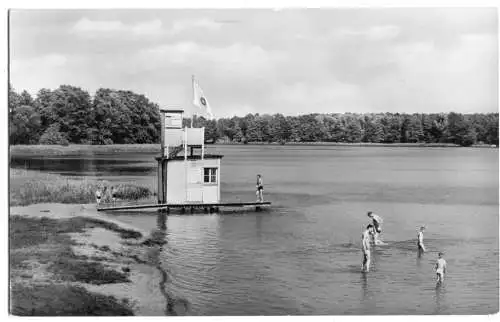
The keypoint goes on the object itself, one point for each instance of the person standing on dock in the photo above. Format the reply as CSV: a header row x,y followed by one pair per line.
x,y
365,247
260,189
98,196
377,225
113,195
105,192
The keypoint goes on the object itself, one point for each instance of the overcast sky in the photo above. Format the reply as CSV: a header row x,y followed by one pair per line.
x,y
247,61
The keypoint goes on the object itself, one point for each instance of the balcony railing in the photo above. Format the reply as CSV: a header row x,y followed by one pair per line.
x,y
188,136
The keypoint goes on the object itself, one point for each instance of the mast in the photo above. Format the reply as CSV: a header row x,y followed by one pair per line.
x,y
192,115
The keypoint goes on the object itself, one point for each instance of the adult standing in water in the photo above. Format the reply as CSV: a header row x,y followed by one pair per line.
x,y
377,225
365,247
260,189
420,241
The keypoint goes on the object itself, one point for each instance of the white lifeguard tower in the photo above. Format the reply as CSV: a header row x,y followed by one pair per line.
x,y
190,177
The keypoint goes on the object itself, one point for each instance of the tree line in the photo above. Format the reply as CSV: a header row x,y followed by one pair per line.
x,y
70,114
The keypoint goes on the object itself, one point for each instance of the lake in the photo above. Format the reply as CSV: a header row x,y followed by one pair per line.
x,y
303,255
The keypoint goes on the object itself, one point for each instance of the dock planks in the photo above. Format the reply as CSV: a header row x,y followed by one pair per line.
x,y
189,205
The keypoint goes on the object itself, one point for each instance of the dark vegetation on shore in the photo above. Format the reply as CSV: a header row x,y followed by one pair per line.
x,y
62,300
70,115
45,242
29,187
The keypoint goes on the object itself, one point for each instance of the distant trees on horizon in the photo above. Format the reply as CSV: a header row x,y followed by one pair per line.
x,y
69,114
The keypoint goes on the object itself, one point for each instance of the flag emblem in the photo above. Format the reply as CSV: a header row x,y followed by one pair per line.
x,y
200,101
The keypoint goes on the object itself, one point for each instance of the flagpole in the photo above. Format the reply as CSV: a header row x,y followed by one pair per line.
x,y
192,115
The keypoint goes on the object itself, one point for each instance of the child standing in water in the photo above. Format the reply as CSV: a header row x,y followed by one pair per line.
x,y
420,240
260,189
440,268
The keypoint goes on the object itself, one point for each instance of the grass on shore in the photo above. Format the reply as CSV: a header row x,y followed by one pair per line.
x,y
30,187
81,149
62,300
77,149
45,242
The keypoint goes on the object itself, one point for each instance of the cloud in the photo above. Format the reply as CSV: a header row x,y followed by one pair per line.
x,y
103,28
147,28
188,24
373,33
325,97
28,71
236,59
86,25
153,27
431,78
382,32
404,60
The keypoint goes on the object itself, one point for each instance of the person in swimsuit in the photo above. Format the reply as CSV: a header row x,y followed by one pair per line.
x,y
260,189
420,241
365,247
440,268
113,194
377,225
98,197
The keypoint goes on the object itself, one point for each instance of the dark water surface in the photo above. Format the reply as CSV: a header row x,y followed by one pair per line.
x,y
303,256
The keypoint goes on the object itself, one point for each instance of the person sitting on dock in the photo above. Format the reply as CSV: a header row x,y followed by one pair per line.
x,y
260,189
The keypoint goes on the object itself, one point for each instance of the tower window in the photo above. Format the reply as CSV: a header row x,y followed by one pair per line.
x,y
210,175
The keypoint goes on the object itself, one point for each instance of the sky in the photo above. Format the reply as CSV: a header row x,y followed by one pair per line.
x,y
289,61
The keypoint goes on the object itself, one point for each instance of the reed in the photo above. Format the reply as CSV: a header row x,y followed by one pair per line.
x,y
30,187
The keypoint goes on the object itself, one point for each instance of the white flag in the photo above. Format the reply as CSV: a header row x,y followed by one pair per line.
x,y
200,100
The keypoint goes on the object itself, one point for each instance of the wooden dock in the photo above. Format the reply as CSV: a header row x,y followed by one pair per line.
x,y
184,206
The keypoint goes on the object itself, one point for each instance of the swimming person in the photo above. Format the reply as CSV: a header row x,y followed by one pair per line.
x,y
365,247
260,189
440,268
377,225
420,240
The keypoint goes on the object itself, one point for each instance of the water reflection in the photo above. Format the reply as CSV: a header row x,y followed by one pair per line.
x,y
364,286
258,226
439,298
156,242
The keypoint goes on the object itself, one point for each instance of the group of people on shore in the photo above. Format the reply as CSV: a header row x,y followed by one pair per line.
x,y
371,236
105,195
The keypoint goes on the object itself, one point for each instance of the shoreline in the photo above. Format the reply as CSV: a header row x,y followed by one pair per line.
x,y
128,253
80,149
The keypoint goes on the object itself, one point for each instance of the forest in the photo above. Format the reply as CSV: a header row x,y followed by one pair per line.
x,y
70,115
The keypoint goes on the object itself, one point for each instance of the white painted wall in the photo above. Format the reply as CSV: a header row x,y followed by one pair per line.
x,y
176,182
191,188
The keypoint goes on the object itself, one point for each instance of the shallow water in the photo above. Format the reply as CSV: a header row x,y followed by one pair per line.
x,y
302,256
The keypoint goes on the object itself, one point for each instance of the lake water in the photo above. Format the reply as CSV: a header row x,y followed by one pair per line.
x,y
303,255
